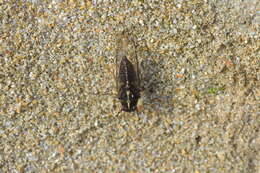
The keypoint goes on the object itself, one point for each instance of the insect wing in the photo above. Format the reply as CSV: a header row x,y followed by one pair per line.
x,y
127,73
126,48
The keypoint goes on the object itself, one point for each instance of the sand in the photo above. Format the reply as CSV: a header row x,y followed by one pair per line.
x,y
200,107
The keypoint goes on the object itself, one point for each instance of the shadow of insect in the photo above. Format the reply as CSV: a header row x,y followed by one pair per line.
x,y
153,83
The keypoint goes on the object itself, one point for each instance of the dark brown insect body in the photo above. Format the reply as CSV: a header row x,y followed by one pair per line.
x,y
127,75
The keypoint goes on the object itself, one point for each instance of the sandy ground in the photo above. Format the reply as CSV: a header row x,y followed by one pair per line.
x,y
199,112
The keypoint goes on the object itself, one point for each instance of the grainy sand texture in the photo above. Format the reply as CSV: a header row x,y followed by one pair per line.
x,y
200,68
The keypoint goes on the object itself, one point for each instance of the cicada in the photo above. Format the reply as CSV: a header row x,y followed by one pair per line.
x,y
127,73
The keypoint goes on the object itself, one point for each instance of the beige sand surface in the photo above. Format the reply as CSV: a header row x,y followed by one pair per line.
x,y
199,112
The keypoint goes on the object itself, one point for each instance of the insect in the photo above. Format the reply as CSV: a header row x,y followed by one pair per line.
x,y
127,73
